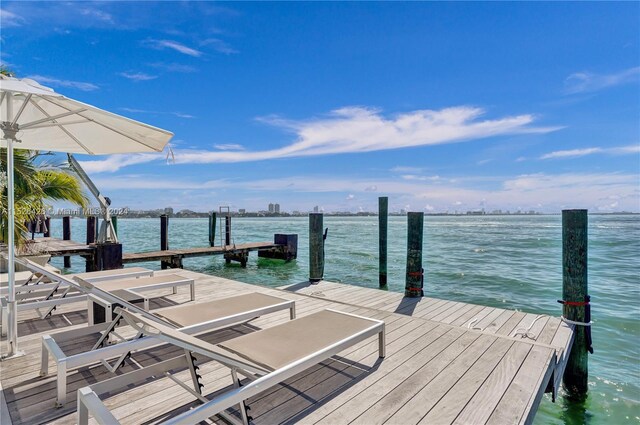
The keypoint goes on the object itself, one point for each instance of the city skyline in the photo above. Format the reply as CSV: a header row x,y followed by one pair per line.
x,y
439,106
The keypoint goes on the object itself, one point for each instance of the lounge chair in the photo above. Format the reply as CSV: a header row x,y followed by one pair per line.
x,y
25,279
266,357
189,319
64,290
28,281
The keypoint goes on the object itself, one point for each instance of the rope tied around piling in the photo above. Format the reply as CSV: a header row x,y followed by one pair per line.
x,y
573,322
587,315
575,303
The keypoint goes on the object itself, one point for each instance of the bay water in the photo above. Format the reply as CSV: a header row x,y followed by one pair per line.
x,y
512,262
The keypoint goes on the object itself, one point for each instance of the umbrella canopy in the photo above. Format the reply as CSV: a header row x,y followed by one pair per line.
x,y
35,117
46,120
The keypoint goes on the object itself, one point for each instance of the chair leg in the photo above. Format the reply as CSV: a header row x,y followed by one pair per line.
x,y
242,405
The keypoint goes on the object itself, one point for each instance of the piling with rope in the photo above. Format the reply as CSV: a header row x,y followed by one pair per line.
x,y
576,308
414,281
383,219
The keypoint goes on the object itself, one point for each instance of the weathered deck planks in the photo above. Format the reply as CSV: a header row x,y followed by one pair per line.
x,y
437,370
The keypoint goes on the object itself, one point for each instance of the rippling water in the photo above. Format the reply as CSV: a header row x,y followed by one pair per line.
x,y
512,262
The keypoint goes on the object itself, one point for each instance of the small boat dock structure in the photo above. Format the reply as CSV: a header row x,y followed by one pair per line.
x,y
447,362
284,247
239,252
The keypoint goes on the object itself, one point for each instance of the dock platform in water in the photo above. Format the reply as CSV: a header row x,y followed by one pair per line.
x,y
281,249
447,362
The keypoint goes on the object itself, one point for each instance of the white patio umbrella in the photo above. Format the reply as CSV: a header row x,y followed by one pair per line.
x,y
35,117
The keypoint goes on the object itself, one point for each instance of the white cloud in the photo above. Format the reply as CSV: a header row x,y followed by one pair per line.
x,y
114,163
420,178
581,82
403,169
173,67
624,150
574,153
97,14
171,44
358,129
138,76
219,46
350,197
146,111
229,147
84,86
542,192
10,19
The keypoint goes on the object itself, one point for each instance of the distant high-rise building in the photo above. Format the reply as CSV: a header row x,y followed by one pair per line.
x,y
168,211
315,209
276,208
271,208
242,211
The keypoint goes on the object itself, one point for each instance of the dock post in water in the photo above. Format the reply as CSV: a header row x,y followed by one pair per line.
x,y
575,298
110,255
164,237
92,262
316,248
227,229
92,229
114,221
66,235
383,218
212,229
415,273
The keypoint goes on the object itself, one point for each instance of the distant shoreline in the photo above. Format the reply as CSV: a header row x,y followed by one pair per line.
x,y
356,215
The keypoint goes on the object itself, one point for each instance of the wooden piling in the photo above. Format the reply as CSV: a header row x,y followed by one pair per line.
x,y
66,235
164,238
110,256
414,278
212,229
92,229
383,218
575,291
316,248
227,230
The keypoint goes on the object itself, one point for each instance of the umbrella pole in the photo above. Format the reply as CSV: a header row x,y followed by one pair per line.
x,y
12,318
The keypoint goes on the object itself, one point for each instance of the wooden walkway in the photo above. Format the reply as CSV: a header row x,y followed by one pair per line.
x,y
438,370
59,247
173,257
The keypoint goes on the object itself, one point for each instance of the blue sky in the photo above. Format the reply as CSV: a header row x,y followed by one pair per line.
x,y
440,106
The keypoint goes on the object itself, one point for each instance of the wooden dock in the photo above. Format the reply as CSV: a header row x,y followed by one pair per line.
x,y
282,248
237,252
447,362
59,247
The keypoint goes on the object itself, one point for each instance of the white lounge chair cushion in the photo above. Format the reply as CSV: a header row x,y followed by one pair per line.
x,y
105,273
276,347
200,312
140,282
